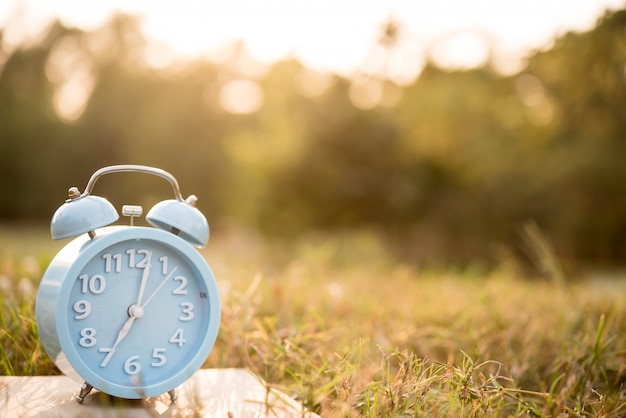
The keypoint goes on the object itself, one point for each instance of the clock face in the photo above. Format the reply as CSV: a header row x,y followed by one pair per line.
x,y
139,315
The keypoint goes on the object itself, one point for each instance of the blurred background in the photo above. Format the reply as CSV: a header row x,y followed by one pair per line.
x,y
454,132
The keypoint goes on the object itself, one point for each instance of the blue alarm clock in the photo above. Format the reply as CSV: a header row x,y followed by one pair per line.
x,y
132,311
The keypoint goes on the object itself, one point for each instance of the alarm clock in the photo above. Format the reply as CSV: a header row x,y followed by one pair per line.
x,y
132,311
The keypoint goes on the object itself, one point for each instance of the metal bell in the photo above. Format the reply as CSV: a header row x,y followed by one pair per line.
x,y
182,218
80,214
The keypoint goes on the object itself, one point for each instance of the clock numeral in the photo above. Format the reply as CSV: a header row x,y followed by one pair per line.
x,y
131,257
132,365
82,308
95,284
163,261
177,337
158,354
87,337
110,352
180,290
108,262
141,264
187,311
137,262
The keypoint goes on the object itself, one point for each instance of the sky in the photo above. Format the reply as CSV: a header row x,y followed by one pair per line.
x,y
329,35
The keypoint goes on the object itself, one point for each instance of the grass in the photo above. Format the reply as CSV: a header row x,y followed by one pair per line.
x,y
348,331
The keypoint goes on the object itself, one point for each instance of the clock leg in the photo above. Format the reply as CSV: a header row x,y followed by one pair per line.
x,y
173,395
84,391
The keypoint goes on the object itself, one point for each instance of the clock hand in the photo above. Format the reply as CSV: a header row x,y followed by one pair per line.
x,y
157,290
135,311
124,331
144,279
134,314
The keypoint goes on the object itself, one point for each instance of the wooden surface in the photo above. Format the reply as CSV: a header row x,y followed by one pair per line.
x,y
218,393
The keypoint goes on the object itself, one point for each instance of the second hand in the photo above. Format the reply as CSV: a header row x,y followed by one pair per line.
x,y
158,288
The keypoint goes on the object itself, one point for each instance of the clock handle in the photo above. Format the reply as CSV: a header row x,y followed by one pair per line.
x,y
124,168
85,212
179,216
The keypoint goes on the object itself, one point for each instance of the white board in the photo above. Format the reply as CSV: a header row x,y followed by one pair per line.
x,y
223,393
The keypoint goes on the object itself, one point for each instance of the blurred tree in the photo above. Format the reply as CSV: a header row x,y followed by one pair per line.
x,y
584,75
454,165
27,125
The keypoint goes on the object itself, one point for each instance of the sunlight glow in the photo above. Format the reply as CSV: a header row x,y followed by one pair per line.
x,y
325,35
539,108
71,72
401,61
159,55
241,96
461,51
312,84
367,93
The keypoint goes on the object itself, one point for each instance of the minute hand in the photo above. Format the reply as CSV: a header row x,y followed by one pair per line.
x,y
144,279
158,288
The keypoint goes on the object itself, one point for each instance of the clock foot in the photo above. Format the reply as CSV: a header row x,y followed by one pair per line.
x,y
84,391
173,395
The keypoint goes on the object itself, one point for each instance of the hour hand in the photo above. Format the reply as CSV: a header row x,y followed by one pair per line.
x,y
124,331
120,336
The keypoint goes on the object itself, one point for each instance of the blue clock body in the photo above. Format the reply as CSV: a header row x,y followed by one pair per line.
x,y
133,311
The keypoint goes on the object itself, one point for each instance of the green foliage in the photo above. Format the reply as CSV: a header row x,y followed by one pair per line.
x,y
451,172
377,338
20,350
530,331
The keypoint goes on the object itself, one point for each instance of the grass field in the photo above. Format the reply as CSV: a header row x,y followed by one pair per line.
x,y
348,331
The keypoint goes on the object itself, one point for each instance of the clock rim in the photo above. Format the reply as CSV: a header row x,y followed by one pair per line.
x,y
73,258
